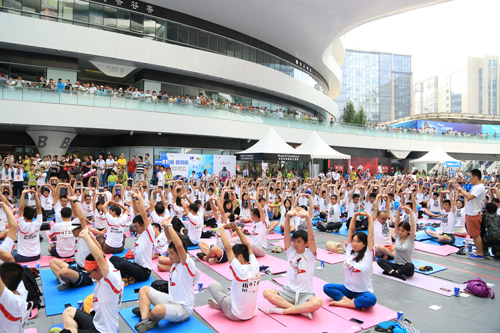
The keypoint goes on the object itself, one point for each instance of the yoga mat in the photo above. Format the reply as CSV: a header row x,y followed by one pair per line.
x,y
30,330
427,282
442,250
47,234
119,254
421,236
55,299
44,261
275,236
204,278
190,325
321,254
277,265
435,268
261,322
459,242
322,319
344,231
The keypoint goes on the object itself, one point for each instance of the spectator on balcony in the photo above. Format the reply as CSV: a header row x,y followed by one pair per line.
x,y
92,89
148,96
67,86
3,79
60,85
76,87
164,97
136,93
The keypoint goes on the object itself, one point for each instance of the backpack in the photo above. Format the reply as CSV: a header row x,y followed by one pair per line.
x,y
160,285
34,294
328,226
478,287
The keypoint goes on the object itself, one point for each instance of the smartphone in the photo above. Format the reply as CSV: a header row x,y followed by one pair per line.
x,y
357,321
63,191
118,191
93,182
100,197
130,182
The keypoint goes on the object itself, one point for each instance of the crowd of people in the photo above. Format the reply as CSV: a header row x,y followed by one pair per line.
x,y
426,131
93,213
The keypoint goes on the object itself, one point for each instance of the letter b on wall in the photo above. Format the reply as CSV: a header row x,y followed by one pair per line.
x,y
51,142
42,141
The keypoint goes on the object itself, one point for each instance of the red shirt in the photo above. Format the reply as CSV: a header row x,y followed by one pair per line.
x,y
131,165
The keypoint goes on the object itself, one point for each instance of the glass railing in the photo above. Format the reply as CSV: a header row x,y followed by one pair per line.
x,y
247,115
114,17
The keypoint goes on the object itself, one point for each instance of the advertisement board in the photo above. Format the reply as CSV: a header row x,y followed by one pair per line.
x,y
184,164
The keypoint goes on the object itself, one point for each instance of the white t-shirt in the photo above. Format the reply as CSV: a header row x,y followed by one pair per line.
x,y
65,241
157,218
107,299
259,234
6,174
87,209
244,212
8,245
161,244
57,210
460,218
28,239
195,227
99,219
447,222
12,308
333,213
473,206
181,283
111,162
18,175
3,218
143,248
179,211
434,206
358,275
352,208
369,207
116,228
244,288
81,252
47,202
218,238
381,233
300,270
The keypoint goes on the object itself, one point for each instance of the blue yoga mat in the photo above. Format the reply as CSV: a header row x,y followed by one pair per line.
x,y
435,268
190,325
459,242
421,236
55,299
121,254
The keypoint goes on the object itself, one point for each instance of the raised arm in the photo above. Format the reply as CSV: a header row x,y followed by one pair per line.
x,y
371,239
310,231
352,228
12,233
139,201
95,250
286,230
173,237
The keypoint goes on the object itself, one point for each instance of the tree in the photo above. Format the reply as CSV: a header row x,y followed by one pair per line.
x,y
360,118
351,116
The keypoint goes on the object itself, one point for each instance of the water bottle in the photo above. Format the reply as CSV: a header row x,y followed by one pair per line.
x,y
38,264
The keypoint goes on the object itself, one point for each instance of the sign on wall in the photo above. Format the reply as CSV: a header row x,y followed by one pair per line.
x,y
223,166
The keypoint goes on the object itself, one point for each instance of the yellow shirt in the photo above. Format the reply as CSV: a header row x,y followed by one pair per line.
x,y
121,163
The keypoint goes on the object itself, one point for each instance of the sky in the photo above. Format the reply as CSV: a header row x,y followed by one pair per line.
x,y
435,36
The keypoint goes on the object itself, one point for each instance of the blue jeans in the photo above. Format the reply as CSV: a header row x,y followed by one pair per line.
x,y
131,175
20,258
362,300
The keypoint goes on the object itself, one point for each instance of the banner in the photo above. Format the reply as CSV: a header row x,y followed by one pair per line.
x,y
224,166
184,164
198,163
453,164
491,130
178,163
441,126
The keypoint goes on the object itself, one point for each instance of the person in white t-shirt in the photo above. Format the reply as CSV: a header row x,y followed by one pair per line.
x,y
177,305
447,235
3,216
140,269
116,219
108,294
64,246
192,234
13,306
28,236
460,218
8,243
241,302
357,292
47,201
160,176
333,213
297,296
382,234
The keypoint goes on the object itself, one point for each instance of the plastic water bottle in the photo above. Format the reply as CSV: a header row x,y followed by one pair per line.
x,y
38,264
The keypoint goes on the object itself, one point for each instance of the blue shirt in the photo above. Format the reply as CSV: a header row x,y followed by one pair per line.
x,y
60,86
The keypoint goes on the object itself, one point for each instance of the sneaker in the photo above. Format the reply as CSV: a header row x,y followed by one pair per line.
x,y
145,325
62,286
213,304
200,255
475,256
136,311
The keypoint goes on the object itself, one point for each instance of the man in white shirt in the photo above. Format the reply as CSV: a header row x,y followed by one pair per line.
x,y
64,247
381,231
107,294
8,243
241,303
47,201
297,296
177,305
101,168
12,304
473,208
28,237
110,163
116,218
140,269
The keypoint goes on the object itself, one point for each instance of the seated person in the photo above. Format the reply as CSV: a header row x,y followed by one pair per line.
x,y
241,302
297,296
28,242
116,219
381,232
460,218
357,292
192,234
3,216
447,235
107,294
8,243
177,305
64,246
12,304
491,232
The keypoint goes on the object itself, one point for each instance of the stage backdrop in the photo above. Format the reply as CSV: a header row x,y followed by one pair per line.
x,y
184,164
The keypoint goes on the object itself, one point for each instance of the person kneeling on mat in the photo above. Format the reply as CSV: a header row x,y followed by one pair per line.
x,y
402,267
357,292
107,294
73,276
177,305
140,269
241,303
447,235
297,296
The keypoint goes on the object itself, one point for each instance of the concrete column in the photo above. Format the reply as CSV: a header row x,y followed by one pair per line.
x,y
52,142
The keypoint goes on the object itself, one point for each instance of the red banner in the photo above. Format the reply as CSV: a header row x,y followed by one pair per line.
x,y
339,168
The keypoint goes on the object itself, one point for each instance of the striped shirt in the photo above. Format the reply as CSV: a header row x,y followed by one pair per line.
x,y
140,167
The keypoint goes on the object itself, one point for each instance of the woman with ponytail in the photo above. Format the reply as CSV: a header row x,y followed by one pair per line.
x,y
357,292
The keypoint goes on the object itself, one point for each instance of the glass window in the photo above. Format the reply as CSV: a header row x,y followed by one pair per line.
x,y
183,34
222,45
149,26
245,52
253,54
266,59
123,19
31,6
161,29
96,15
65,9
81,11
193,37
260,57
110,16
212,42
136,22
14,4
172,89
203,39
49,8
230,48
237,50
172,31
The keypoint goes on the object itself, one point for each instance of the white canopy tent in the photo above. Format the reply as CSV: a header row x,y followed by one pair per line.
x,y
318,149
272,148
438,155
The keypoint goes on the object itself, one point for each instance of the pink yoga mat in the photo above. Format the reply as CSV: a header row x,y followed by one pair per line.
x,y
442,250
322,254
204,278
322,319
277,265
427,282
44,262
47,234
370,317
261,322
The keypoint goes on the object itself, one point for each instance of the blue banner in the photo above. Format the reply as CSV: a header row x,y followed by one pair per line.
x,y
453,164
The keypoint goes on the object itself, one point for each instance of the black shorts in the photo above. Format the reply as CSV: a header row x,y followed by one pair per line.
x,y
222,259
83,277
85,321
